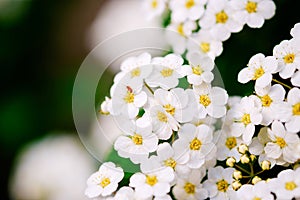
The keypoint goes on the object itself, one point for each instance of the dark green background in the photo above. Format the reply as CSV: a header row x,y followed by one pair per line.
x,y
42,44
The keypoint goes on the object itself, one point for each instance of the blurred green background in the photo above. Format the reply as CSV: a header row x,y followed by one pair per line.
x,y
42,44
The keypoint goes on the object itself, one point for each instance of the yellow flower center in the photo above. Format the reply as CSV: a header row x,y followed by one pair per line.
x,y
204,100
170,163
154,4
280,142
251,7
129,97
135,72
151,180
105,182
258,73
289,58
197,70
296,109
180,29
166,72
266,100
256,198
189,3
137,139
246,119
231,142
205,47
222,185
189,188
221,17
195,144
162,117
290,185
169,109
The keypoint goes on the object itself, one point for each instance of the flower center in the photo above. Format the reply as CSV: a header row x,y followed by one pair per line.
x,y
180,29
290,185
189,3
222,185
170,163
205,47
256,198
246,119
296,109
204,100
154,4
280,142
166,72
105,182
135,72
151,180
195,144
266,100
251,7
197,70
231,142
137,139
189,188
221,17
289,58
258,73
162,117
169,109
129,97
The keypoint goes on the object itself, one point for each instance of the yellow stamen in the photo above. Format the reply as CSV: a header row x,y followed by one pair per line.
x,y
204,100
154,4
231,142
195,144
169,109
290,185
251,7
258,73
289,58
222,185
151,180
246,119
221,17
170,163
105,182
189,3
197,70
166,72
266,100
189,188
296,109
162,117
135,72
280,142
129,98
137,139
205,47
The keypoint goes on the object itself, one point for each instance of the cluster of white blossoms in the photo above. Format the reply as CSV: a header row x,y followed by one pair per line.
x,y
202,25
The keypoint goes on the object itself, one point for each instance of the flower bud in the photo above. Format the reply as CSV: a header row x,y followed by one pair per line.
x,y
256,179
265,165
237,175
236,185
252,157
245,159
243,148
230,161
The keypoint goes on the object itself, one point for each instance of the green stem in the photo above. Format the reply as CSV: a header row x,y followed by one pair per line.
x,y
251,168
149,88
281,83
242,169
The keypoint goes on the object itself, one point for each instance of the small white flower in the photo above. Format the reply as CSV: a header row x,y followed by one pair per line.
x,y
257,144
186,9
105,181
154,7
288,56
233,100
155,183
199,69
205,43
218,18
295,32
210,101
295,79
287,185
253,12
106,106
282,143
260,69
166,72
258,191
219,182
198,142
244,116
124,193
190,187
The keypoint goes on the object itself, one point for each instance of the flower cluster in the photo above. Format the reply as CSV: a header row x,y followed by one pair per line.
x,y
203,25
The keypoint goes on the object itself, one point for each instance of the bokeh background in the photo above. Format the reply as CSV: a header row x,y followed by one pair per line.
x,y
43,43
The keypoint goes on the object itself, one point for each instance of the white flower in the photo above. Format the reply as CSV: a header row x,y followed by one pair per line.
x,y
257,144
244,117
288,56
219,182
260,69
287,185
177,102
295,32
127,98
124,193
137,143
154,7
258,191
269,97
155,183
295,79
198,142
253,12
210,100
106,106
199,69
232,100
166,72
218,17
186,9
283,143
105,181
190,187
205,43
